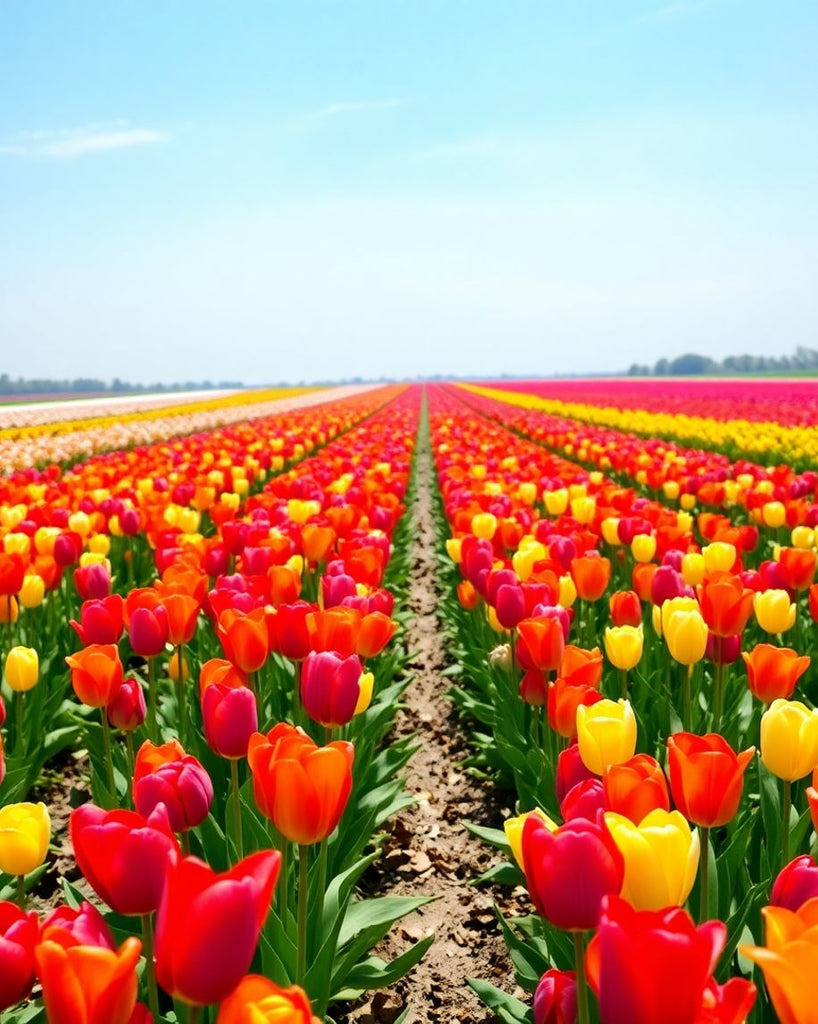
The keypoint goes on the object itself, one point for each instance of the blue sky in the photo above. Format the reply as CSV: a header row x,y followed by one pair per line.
x,y
292,191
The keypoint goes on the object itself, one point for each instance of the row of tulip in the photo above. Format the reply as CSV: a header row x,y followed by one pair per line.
x,y
773,440
234,699
777,498
66,439
658,784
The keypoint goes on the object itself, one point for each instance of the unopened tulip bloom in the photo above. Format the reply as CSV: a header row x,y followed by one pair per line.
x,y
78,926
570,871
148,631
643,547
774,610
581,666
686,636
652,967
301,787
789,739
544,641
167,775
330,687
375,633
555,1000
591,576
798,564
623,645
22,669
625,608
257,1000
203,964
88,984
772,672
126,710
719,556
96,674
32,592
230,718
636,787
563,700
245,638
101,621
789,961
706,777
726,605
19,934
123,856
796,883
661,857
606,733
585,800
25,832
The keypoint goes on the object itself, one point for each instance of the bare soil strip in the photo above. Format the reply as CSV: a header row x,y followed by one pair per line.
x,y
428,851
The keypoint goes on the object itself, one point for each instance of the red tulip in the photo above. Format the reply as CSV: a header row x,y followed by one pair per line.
x,y
555,1001
167,775
208,925
19,934
123,856
330,687
81,926
796,883
706,777
544,641
101,622
126,709
230,717
625,608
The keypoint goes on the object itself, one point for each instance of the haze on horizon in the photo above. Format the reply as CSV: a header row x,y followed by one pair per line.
x,y
277,191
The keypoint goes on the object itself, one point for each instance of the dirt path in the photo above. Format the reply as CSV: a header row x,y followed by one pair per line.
x,y
428,851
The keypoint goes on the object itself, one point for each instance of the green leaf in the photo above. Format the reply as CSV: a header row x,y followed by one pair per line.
x,y
507,1007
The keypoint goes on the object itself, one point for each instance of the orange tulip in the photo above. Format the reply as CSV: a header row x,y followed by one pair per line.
x,y
706,777
772,672
579,665
334,629
625,608
544,641
375,633
636,787
789,961
798,567
591,576
726,605
183,612
219,670
301,787
245,638
317,542
96,674
467,595
88,984
285,585
563,700
257,1000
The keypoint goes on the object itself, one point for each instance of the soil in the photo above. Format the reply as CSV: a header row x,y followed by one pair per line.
x,y
428,850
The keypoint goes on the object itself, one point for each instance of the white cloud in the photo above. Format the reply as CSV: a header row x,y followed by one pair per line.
x,y
353,107
73,142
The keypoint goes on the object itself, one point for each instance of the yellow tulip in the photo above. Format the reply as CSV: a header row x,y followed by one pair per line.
x,y
22,669
513,828
775,613
677,604
100,544
568,591
610,530
366,684
693,568
453,546
773,514
661,857
527,492
623,645
484,525
17,544
606,732
789,961
643,547
719,556
556,502
25,832
32,593
671,489
686,636
803,537
583,509
789,739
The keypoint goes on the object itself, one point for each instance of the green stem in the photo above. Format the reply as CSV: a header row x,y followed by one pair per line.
x,y
18,722
297,693
131,753
301,961
109,759
152,695
583,1016
623,683
283,886
236,804
786,805
719,690
704,868
21,892
150,967
194,1014
687,704
180,697
184,842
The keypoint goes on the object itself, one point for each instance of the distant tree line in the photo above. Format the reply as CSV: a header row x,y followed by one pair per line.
x,y
693,365
90,385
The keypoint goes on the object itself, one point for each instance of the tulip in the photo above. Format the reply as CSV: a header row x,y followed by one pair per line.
x,y
335,629
661,856
726,605
22,669
167,775
555,999
772,672
563,700
88,984
789,961
789,739
230,718
245,638
257,1000
636,787
204,964
652,967
544,641
625,608
568,872
581,666
181,614
301,787
330,688
25,832
19,934
706,777
513,828
591,577
643,547
774,611
126,710
96,674
93,582
685,633
510,605
148,630
123,856
623,645
484,525
585,800
719,556
32,592
80,926
376,631
796,883
606,733
798,566
101,621
570,770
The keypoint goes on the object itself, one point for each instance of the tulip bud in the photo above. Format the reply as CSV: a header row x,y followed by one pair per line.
x,y
789,739
513,828
796,883
643,547
22,669
774,611
257,1000
606,733
230,718
623,646
127,709
25,832
625,608
330,687
686,636
32,592
19,934
555,1000
166,775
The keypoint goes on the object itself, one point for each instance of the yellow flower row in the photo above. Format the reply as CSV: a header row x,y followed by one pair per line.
x,y
765,441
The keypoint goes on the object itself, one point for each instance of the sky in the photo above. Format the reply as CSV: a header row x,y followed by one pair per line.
x,y
267,191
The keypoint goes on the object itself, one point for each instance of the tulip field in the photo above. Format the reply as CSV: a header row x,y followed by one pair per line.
x,y
248,747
